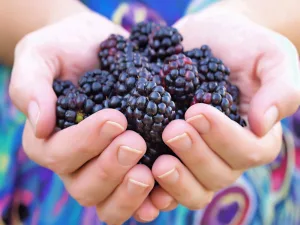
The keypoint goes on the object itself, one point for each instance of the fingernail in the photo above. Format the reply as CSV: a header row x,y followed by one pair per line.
x,y
148,219
135,187
33,114
111,129
128,156
181,142
200,123
271,116
170,177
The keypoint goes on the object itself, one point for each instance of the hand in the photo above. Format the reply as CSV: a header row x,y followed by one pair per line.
x,y
112,181
213,149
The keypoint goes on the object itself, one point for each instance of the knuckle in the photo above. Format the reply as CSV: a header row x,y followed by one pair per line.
x,y
56,164
105,218
79,194
200,202
224,182
251,159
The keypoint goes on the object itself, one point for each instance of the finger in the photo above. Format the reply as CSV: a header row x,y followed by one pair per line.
x,y
44,54
147,212
202,162
128,196
95,181
176,179
31,90
237,146
279,95
162,200
69,149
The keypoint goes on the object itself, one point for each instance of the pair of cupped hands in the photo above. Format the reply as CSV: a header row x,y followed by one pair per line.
x,y
97,159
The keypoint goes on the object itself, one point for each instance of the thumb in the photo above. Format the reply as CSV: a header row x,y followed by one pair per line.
x,y
279,94
31,90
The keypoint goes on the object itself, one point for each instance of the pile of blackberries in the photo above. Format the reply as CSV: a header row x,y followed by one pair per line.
x,y
152,81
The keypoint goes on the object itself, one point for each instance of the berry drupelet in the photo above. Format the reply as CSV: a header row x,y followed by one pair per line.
x,y
72,108
198,54
164,42
216,95
154,150
140,33
212,69
150,109
113,46
97,85
180,78
62,87
127,60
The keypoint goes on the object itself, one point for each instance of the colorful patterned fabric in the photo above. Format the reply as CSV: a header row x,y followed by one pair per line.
x,y
33,195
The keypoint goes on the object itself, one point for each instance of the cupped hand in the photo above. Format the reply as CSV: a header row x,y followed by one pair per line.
x,y
112,181
213,149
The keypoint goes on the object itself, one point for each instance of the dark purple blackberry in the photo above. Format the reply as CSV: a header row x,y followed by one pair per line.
x,y
72,108
180,78
140,33
198,54
127,80
117,102
62,87
164,42
150,109
216,95
212,69
154,150
128,60
156,71
97,85
113,46
234,91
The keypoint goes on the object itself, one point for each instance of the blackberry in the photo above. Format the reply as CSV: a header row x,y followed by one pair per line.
x,y
62,87
234,91
97,85
117,102
128,60
156,73
212,69
150,109
113,46
181,78
216,95
72,108
140,33
198,54
164,42
154,150
128,79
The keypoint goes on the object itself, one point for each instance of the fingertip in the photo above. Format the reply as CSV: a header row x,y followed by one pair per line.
x,y
111,115
141,174
174,128
147,212
162,200
164,164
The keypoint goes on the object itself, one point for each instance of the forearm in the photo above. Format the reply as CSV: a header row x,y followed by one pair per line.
x,y
18,18
282,16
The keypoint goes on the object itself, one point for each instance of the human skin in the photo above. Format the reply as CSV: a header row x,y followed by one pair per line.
x,y
206,153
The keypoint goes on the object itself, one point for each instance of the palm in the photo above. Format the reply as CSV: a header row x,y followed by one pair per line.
x,y
240,44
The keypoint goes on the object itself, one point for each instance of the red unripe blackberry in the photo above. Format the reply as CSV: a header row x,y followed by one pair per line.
x,y
180,78
149,109
97,85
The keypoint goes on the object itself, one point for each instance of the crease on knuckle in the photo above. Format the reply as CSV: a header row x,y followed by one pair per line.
x,y
107,218
55,163
252,159
105,175
200,202
224,182
80,195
